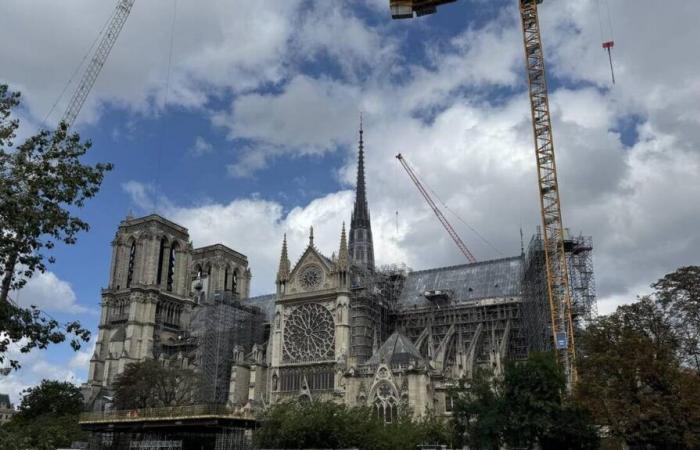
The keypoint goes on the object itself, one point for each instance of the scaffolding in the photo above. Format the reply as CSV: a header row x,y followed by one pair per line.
x,y
374,297
477,329
219,325
536,317
201,437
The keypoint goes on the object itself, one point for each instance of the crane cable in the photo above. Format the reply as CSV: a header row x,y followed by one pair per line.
x,y
165,100
608,43
444,205
79,66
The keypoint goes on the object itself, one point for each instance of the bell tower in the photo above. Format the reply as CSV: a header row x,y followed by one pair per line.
x,y
147,299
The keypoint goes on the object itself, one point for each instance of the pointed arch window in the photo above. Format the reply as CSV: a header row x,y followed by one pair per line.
x,y
171,266
226,277
132,262
161,255
234,281
385,404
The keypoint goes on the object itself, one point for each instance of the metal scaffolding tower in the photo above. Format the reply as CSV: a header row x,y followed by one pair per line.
x,y
536,320
218,326
374,296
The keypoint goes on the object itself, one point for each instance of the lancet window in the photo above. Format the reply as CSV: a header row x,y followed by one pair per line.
x,y
132,262
171,266
385,403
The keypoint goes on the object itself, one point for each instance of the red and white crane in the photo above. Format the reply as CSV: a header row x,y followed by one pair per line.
x,y
441,217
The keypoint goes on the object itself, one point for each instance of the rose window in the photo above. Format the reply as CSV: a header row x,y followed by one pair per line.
x,y
309,334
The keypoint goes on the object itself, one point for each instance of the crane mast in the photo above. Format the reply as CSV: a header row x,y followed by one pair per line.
x,y
88,79
553,236
441,217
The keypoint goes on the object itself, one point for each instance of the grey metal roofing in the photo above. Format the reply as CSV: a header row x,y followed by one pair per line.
x,y
486,279
265,302
396,350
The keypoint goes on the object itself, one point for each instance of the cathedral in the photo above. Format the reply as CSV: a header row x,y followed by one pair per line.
x,y
336,327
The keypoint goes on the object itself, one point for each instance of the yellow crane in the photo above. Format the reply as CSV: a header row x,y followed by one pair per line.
x,y
550,204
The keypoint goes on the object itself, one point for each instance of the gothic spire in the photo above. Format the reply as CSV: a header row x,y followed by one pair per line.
x,y
360,214
361,249
343,257
285,264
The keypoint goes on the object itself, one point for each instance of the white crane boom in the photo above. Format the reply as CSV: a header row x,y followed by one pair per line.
x,y
88,79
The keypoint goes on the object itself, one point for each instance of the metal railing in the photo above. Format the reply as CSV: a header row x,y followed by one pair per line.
x,y
165,413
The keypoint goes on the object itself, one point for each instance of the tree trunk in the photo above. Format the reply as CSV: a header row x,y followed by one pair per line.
x,y
7,278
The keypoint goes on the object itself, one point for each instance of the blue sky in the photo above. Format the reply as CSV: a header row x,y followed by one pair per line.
x,y
255,133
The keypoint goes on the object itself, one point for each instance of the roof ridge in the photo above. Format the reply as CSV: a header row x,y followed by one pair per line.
x,y
460,266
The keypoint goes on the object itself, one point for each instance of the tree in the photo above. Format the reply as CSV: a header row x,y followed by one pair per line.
x,y
527,408
50,397
149,384
678,293
326,424
477,411
42,182
632,381
47,418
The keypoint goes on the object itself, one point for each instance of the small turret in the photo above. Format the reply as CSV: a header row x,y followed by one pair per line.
x,y
343,255
285,264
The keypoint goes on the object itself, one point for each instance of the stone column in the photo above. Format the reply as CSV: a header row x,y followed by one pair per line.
x,y
277,327
342,326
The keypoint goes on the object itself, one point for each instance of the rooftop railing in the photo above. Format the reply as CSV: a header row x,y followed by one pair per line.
x,y
166,413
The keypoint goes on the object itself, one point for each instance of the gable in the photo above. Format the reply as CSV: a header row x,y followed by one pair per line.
x,y
312,272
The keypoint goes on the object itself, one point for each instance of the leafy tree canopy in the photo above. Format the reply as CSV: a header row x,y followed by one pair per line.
x,y
527,408
47,418
678,293
43,181
149,384
56,398
632,380
296,425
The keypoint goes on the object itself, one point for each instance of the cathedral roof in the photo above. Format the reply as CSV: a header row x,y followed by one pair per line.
x,y
469,282
396,350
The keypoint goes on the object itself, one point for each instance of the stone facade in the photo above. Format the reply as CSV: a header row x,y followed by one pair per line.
x,y
337,328
156,278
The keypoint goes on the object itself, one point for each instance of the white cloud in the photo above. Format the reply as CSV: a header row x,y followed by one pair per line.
x,y
638,200
461,118
201,147
36,368
217,46
49,293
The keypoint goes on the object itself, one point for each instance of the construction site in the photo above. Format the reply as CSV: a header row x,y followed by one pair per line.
x,y
416,333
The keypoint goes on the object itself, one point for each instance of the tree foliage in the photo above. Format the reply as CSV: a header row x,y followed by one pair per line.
x,y
43,181
632,380
50,397
527,408
149,384
296,425
678,293
47,418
